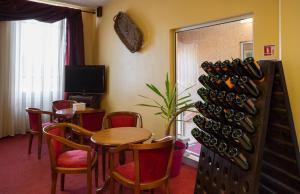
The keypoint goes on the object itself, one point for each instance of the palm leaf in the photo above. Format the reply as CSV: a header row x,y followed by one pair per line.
x,y
149,105
167,84
155,90
151,99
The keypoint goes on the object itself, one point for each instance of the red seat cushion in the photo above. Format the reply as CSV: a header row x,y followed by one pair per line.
x,y
72,159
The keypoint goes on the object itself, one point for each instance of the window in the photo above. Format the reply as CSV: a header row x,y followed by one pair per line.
x,y
208,42
39,60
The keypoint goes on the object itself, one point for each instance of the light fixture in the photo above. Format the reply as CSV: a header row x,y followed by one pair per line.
x,y
246,21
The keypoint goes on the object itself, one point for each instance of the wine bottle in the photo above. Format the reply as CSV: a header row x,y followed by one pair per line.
x,y
253,68
222,148
213,96
204,80
211,109
230,98
216,127
221,96
206,138
238,67
242,139
207,67
218,113
208,125
229,115
231,83
202,108
227,68
215,82
238,158
246,104
195,132
243,120
213,143
226,131
199,121
248,86
217,67
204,94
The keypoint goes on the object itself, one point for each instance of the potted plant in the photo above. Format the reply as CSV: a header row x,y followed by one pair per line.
x,y
170,105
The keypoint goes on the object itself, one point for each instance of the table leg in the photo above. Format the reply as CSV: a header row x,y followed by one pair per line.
x,y
122,157
103,161
105,186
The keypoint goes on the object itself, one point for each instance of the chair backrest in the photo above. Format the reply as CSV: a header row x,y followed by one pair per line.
x,y
62,104
123,119
91,119
57,143
154,160
35,118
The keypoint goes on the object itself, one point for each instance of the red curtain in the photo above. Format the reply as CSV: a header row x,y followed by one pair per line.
x,y
11,10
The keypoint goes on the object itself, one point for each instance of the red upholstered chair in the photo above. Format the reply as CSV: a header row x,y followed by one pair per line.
x,y
68,157
91,120
36,126
119,119
150,168
61,104
123,119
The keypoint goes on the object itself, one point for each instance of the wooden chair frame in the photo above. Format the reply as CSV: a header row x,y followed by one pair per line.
x,y
139,120
106,124
38,133
54,109
136,184
92,156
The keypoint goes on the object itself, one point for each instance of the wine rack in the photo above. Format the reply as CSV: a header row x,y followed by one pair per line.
x,y
274,161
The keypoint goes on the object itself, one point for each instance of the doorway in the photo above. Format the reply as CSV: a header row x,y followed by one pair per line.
x,y
215,41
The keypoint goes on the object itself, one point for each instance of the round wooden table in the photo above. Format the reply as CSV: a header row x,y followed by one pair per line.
x,y
119,136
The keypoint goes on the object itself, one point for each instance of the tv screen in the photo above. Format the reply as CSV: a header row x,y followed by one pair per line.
x,y
88,79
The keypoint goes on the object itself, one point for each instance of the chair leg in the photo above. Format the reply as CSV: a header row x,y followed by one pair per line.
x,y
89,181
137,190
62,182
96,172
103,161
112,186
30,143
40,139
53,183
167,187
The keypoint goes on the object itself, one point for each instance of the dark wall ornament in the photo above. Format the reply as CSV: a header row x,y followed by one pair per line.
x,y
128,32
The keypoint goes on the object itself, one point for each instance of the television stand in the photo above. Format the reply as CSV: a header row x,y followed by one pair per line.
x,y
91,100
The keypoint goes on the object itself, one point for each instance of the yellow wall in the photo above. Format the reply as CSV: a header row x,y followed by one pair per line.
x,y
128,72
290,54
89,31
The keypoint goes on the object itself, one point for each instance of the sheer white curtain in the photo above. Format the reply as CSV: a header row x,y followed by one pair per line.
x,y
32,70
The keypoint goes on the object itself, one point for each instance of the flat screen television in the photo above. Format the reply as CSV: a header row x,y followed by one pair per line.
x,y
88,79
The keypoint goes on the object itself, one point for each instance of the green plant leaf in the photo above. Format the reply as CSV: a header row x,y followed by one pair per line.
x,y
167,84
184,103
184,97
151,99
186,89
149,105
155,90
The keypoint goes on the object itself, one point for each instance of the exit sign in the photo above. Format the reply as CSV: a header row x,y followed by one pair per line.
x,y
269,50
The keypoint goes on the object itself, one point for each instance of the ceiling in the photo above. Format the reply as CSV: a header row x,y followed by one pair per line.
x,y
84,3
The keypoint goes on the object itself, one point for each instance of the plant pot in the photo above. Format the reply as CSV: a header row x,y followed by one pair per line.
x,y
180,148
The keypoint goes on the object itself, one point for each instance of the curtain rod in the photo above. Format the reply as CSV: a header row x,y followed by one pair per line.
x,y
56,3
